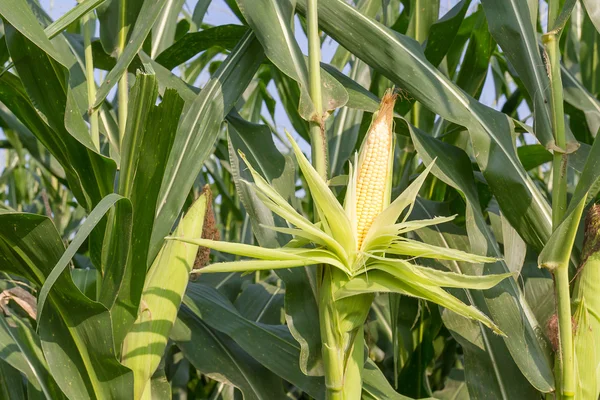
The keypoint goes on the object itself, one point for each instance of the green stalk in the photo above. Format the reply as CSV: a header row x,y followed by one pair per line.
x,y
318,141
333,354
333,351
88,26
123,87
559,205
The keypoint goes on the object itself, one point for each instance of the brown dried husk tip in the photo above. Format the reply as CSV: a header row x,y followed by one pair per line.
x,y
386,108
209,231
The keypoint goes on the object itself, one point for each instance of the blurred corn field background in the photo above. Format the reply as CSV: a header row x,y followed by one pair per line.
x,y
136,135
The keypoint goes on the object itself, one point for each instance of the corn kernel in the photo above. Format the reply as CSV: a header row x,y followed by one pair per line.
x,y
373,172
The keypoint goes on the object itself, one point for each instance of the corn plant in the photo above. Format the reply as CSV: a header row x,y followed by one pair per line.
x,y
191,208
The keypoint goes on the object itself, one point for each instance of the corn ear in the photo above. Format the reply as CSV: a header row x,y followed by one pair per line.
x,y
374,169
163,291
587,312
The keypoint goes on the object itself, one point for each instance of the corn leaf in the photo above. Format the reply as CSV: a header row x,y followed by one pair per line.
x,y
510,25
271,22
148,140
75,332
511,313
270,345
29,359
198,130
148,15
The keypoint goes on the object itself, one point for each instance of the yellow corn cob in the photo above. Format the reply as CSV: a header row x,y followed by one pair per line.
x,y
372,185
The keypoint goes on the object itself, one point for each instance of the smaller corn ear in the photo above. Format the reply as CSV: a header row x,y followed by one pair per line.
x,y
587,313
374,169
165,285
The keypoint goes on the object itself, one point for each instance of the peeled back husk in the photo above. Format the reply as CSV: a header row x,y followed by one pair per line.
x,y
164,288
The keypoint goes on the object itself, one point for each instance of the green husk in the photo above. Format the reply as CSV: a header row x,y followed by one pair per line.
x,y
165,285
587,312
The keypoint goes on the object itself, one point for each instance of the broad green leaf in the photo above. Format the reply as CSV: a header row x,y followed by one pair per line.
x,y
225,36
22,351
533,155
71,147
91,174
589,46
401,59
593,10
198,130
261,302
84,231
475,64
455,53
443,31
75,332
271,20
510,24
86,281
200,11
145,20
490,372
358,97
110,15
220,358
347,122
35,148
515,249
505,301
163,32
71,16
489,367
455,387
376,386
270,345
423,15
11,383
369,8
148,140
19,14
579,97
